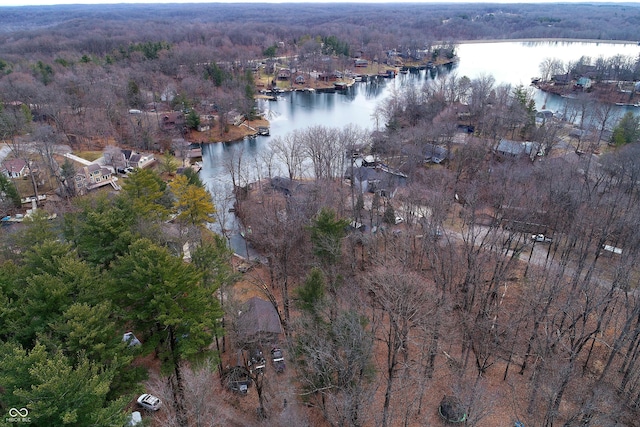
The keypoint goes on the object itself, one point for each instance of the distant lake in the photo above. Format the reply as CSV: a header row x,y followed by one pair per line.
x,y
509,62
518,62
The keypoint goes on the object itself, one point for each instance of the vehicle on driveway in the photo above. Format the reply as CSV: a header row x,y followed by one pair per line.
x,y
541,238
277,359
149,402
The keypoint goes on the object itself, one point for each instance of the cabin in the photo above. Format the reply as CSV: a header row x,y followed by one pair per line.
x,y
507,149
284,74
258,322
300,80
327,77
359,62
561,79
284,185
436,154
172,120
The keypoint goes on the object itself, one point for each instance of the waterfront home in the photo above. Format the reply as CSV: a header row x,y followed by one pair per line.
x,y
361,62
284,185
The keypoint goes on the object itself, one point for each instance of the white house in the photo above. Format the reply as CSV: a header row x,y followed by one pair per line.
x,y
14,168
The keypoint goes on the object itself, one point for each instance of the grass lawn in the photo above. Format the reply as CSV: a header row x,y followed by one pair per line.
x,y
89,155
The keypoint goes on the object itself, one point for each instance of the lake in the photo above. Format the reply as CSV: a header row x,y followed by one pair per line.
x,y
509,62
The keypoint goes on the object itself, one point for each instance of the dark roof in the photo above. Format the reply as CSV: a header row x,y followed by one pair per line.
x,y
514,148
259,317
285,185
93,167
435,153
385,176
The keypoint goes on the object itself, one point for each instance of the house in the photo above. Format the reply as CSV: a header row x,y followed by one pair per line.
x,y
235,118
94,176
258,322
284,74
172,120
435,154
584,83
285,186
542,116
327,77
381,180
140,160
561,79
14,168
517,149
361,62
300,80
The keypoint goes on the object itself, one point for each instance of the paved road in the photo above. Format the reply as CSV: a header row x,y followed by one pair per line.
x,y
4,152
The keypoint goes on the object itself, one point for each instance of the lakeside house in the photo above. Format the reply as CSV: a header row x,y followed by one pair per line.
x,y
381,179
285,186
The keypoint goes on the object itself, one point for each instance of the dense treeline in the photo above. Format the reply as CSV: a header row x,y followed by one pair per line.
x,y
71,287
100,29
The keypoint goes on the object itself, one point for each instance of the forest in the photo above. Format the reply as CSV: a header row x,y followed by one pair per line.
x,y
480,267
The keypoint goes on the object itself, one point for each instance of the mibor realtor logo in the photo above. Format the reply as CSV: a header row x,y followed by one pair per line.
x,y
18,416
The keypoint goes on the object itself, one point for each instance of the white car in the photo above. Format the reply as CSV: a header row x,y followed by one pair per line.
x,y
149,402
541,238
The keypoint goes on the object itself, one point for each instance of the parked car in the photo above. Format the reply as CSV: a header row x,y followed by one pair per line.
x,y
149,402
131,339
277,358
541,238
